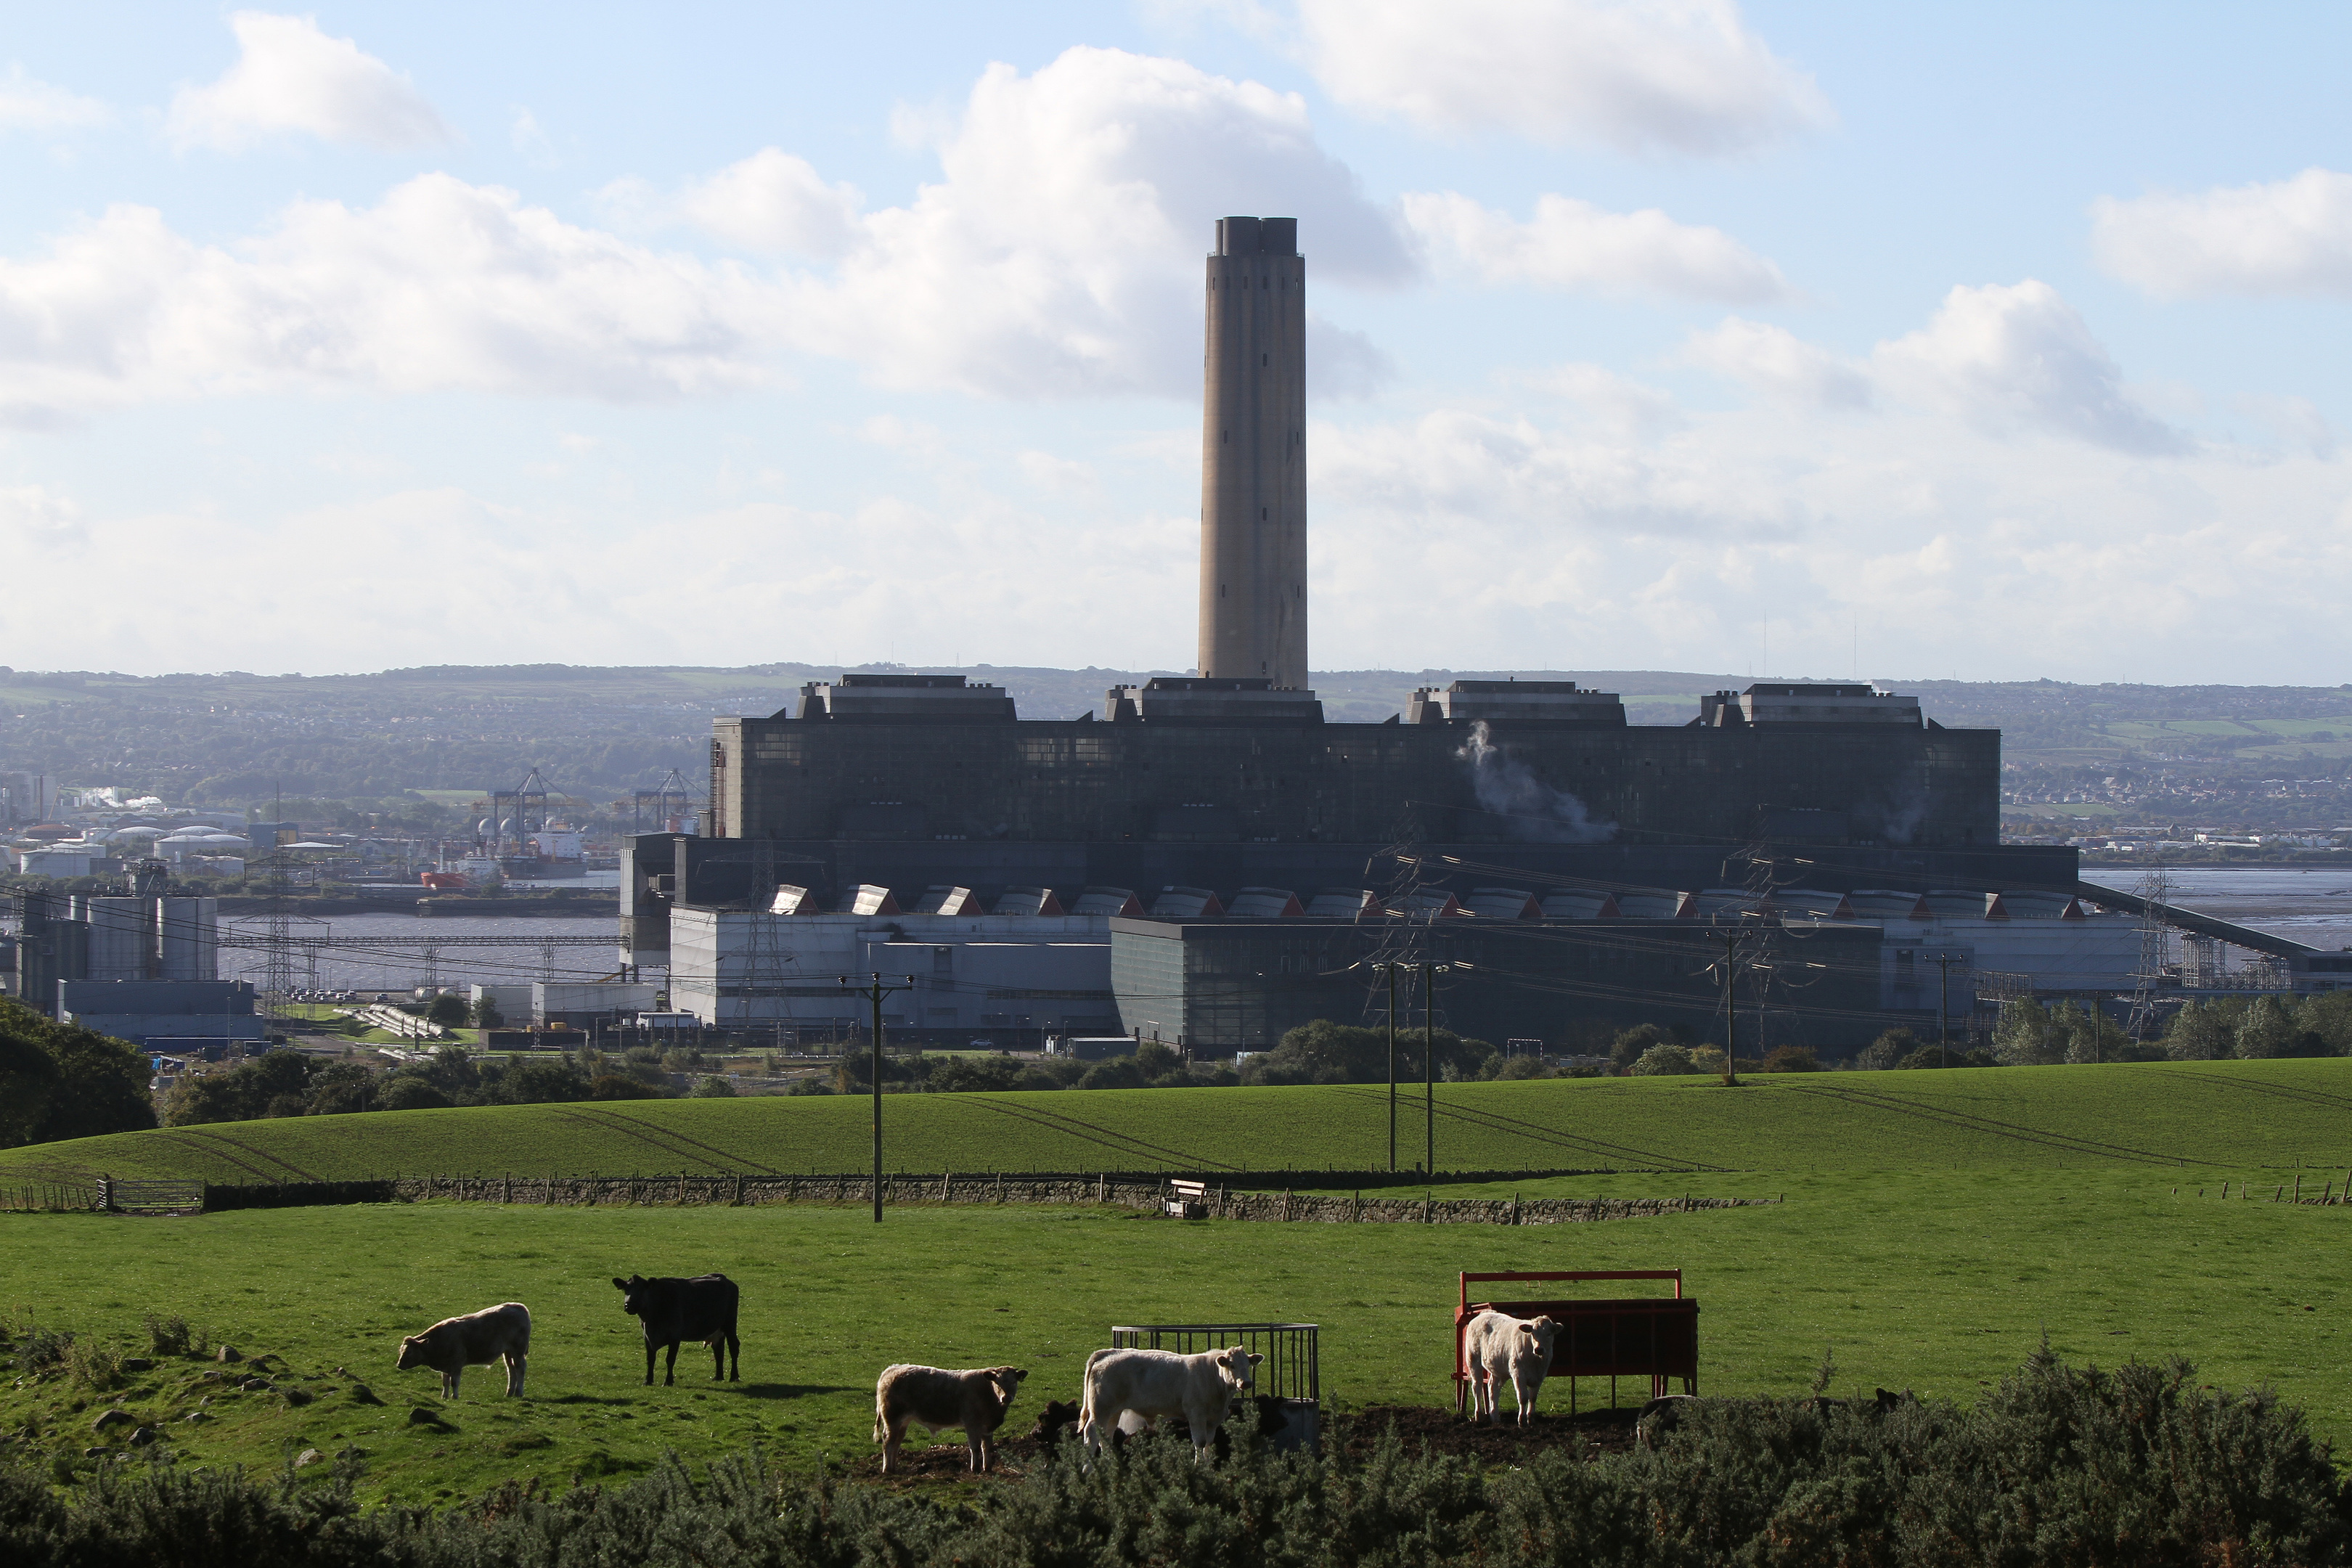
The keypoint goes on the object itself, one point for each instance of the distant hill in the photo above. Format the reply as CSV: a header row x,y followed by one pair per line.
x,y
237,738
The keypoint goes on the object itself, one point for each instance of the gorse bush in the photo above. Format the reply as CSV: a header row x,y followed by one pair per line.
x,y
2136,1469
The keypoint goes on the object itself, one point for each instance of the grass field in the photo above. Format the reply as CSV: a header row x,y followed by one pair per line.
x,y
1935,1281
2152,1116
1935,1226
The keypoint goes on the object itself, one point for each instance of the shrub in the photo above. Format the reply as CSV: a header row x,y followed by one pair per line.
x,y
446,1010
406,1091
1113,1072
1888,1050
1664,1059
176,1336
613,1086
808,1086
92,1364
1791,1058
713,1088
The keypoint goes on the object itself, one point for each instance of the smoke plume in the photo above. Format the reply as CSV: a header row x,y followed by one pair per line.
x,y
1529,809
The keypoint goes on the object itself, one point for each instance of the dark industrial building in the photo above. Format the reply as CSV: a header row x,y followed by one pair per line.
x,y
1244,859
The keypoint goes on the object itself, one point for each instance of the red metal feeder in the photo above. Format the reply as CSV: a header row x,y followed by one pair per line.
x,y
1653,1337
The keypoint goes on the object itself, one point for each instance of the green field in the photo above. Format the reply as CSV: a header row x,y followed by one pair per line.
x,y
1935,1226
2163,1115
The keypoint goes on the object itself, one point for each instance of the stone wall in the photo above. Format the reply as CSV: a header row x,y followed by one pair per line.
x,y
1147,1194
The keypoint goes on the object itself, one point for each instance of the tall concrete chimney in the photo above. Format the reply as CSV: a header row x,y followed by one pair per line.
x,y
1254,455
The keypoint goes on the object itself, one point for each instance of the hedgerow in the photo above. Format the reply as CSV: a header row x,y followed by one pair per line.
x,y
2141,1468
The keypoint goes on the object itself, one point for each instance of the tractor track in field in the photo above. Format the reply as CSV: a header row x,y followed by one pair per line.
x,y
661,1138
1494,1121
2319,1097
1070,1126
203,1142
631,1124
1970,1121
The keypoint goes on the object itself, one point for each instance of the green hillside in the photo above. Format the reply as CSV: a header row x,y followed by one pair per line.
x,y
2158,1115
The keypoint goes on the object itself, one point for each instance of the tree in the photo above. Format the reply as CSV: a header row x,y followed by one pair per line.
x,y
486,1013
2203,1031
613,1086
1791,1058
965,1075
94,1083
1661,1060
1888,1050
2267,1030
2026,1036
411,1091
1159,1064
446,1010
713,1088
1113,1072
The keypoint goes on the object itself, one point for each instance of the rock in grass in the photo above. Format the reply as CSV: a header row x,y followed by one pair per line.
x,y
421,1416
137,1363
228,1352
93,1453
294,1396
362,1395
307,1457
110,1416
144,1436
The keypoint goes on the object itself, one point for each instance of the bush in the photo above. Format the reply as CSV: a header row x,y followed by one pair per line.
x,y
1663,1060
448,1011
808,1086
1888,1050
1113,1072
712,1088
1791,1058
176,1336
2139,1467
615,1085
407,1091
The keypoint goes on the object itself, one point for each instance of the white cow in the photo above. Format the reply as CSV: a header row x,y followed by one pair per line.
x,y
1500,1347
1155,1384
453,1344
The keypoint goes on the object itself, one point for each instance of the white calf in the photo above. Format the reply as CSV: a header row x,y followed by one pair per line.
x,y
1157,1384
1500,1347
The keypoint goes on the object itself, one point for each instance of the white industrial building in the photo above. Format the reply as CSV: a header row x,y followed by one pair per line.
x,y
972,972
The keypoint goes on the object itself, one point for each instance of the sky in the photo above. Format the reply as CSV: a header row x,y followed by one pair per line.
x,y
1984,341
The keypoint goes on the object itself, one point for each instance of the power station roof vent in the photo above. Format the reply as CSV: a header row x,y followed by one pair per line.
x,y
1266,904
1213,699
1344,904
1186,904
790,900
1808,702
1118,902
947,902
903,698
1503,904
1028,901
866,898
1580,904
1515,701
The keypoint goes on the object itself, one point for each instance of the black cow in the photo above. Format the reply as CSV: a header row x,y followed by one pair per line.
x,y
676,1311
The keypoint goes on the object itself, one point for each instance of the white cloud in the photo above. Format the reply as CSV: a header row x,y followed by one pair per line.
x,y
291,77
1777,363
1627,407
440,284
26,104
531,138
2019,357
2011,358
1059,253
775,202
2290,237
1574,244
1644,76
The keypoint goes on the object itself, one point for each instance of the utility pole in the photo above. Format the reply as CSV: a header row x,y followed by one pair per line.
x,y
873,993
1390,970
1429,973
1944,962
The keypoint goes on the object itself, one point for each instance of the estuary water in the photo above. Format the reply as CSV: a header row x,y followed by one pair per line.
x,y
394,952
2310,905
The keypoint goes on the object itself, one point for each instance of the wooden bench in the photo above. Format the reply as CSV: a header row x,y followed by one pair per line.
x,y
1188,1200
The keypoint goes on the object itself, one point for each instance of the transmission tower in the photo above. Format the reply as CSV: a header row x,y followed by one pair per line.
x,y
2154,892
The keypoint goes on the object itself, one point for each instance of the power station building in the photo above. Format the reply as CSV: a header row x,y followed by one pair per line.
x,y
1206,857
